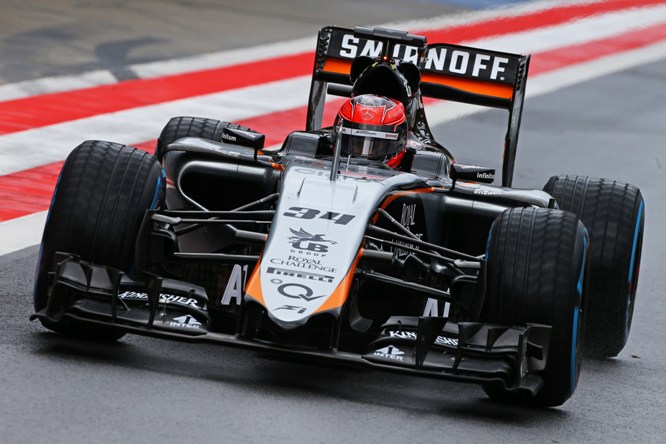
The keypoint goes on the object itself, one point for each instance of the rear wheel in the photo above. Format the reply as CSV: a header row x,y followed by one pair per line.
x,y
536,274
614,215
102,193
179,127
184,126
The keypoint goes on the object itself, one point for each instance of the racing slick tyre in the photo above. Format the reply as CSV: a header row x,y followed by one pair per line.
x,y
101,196
614,215
536,260
179,127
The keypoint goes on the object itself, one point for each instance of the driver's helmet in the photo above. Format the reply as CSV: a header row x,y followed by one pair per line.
x,y
371,126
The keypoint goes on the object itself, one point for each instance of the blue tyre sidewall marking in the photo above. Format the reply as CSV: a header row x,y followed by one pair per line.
x,y
632,264
575,327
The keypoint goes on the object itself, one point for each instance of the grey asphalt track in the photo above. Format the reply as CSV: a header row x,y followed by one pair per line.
x,y
57,390
40,38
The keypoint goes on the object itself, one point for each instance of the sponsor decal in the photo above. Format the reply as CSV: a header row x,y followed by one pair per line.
x,y
304,263
390,352
480,175
441,340
235,285
422,131
369,133
229,137
302,240
164,298
311,172
297,291
408,216
468,63
186,321
407,219
432,309
403,334
347,175
401,252
230,153
351,45
310,213
445,59
368,113
487,192
300,274
296,308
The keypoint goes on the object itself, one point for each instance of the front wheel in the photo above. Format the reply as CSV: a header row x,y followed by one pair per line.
x,y
99,202
536,261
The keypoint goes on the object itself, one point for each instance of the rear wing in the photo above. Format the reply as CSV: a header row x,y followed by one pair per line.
x,y
450,72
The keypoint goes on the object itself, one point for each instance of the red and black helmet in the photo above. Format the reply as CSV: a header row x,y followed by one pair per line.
x,y
372,126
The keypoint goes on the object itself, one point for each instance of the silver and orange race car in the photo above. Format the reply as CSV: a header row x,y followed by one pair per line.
x,y
311,249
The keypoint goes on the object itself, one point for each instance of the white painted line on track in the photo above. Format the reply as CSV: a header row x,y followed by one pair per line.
x,y
32,148
538,85
506,11
21,232
232,57
582,72
580,31
55,84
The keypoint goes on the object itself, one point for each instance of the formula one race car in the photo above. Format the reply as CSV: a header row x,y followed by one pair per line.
x,y
323,248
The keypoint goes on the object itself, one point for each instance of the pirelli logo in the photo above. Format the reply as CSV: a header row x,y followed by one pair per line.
x,y
441,58
300,274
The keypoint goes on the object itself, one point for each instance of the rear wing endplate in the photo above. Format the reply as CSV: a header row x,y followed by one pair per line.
x,y
450,72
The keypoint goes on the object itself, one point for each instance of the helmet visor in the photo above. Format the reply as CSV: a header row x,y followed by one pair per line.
x,y
367,143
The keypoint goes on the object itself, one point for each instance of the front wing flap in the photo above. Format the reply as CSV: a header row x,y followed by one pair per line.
x,y
427,346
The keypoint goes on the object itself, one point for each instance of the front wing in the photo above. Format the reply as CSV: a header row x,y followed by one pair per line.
x,y
431,347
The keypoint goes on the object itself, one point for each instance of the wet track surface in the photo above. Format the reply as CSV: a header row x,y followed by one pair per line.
x,y
54,389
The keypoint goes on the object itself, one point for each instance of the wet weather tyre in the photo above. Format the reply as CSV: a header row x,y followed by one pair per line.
x,y
185,126
99,202
614,214
536,261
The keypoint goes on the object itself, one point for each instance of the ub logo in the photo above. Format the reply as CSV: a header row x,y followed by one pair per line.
x,y
303,240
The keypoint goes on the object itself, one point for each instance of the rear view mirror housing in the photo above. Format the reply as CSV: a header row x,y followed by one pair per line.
x,y
474,173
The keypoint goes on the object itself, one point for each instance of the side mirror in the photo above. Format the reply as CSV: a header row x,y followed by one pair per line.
x,y
243,137
473,173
